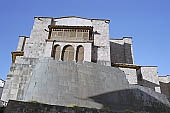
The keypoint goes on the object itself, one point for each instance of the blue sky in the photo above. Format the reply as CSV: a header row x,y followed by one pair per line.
x,y
147,21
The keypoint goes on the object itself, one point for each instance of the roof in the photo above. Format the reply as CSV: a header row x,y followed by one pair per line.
x,y
123,65
71,27
133,66
75,17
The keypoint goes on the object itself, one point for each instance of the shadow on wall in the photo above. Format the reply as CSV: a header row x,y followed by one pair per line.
x,y
121,53
1,89
165,89
132,99
148,84
94,54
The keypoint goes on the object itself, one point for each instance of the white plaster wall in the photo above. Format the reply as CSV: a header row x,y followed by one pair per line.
x,y
131,75
72,21
87,49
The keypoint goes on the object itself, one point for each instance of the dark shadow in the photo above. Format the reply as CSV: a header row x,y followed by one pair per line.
x,y
148,84
96,33
1,89
94,54
36,107
132,99
80,54
121,53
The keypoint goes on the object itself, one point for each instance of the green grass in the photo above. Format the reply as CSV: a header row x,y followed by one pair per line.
x,y
130,111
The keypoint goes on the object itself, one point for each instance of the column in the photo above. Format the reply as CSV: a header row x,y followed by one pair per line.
x,y
75,49
61,51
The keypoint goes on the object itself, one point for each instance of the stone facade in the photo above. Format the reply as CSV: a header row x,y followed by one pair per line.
x,y
70,60
165,84
2,83
121,50
149,77
31,107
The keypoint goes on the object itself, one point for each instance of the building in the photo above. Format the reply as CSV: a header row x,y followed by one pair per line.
x,y
165,85
2,82
72,60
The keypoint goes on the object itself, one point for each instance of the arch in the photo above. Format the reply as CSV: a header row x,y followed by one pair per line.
x,y
80,54
68,53
56,52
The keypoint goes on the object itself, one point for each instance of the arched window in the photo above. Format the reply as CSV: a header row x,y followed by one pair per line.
x,y
56,52
80,54
68,53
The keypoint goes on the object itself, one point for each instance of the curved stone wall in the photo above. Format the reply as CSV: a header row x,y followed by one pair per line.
x,y
69,83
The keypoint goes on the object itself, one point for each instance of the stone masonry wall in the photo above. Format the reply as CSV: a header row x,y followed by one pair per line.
x,y
121,50
18,79
136,98
1,88
21,43
29,107
67,83
131,75
117,52
35,46
149,77
165,85
101,40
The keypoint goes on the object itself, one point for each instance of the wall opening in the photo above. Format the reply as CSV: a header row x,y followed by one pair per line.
x,y
80,54
68,53
56,52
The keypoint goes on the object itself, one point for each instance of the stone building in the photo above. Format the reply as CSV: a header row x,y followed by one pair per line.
x,y
2,82
165,85
71,60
